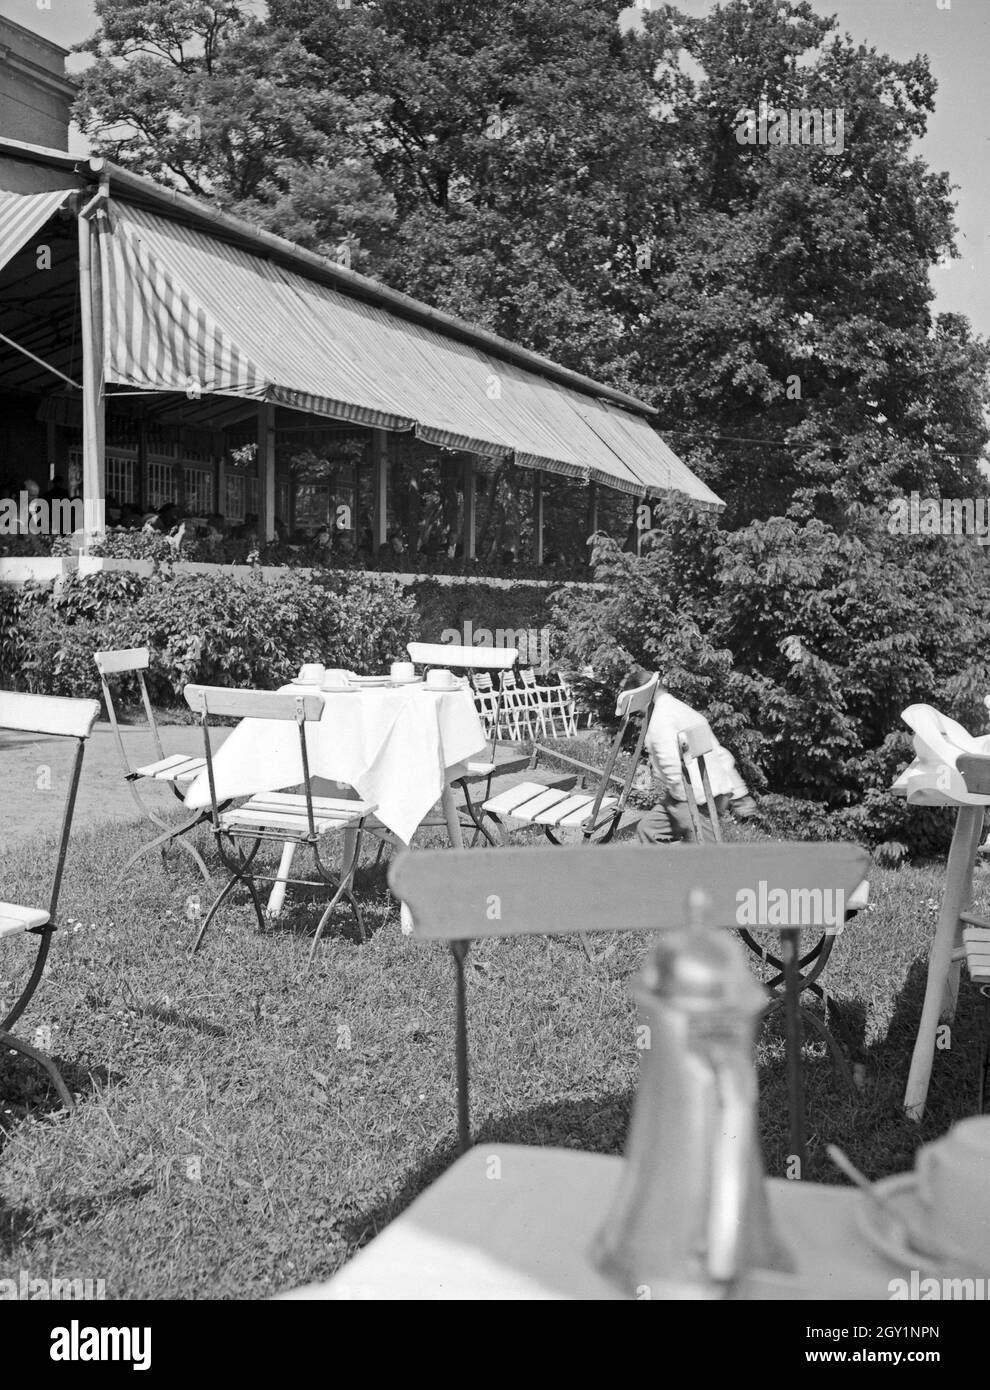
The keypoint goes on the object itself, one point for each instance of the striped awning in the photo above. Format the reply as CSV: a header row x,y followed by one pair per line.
x,y
189,312
23,214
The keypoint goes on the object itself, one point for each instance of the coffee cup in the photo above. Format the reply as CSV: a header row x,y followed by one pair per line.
x,y
954,1193
402,670
311,673
335,679
440,679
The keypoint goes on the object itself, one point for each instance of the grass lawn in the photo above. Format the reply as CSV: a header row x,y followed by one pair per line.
x,y
244,1125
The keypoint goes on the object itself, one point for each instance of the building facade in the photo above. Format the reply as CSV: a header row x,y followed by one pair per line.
x,y
35,94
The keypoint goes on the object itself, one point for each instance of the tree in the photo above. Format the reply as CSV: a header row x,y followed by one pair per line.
x,y
793,302
221,105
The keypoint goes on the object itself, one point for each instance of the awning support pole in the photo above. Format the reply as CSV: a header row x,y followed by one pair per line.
x,y
592,509
94,401
266,472
379,462
470,506
538,517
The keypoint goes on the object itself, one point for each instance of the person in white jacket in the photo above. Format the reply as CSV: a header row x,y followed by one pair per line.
x,y
670,819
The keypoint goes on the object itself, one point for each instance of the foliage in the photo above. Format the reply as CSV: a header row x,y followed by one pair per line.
x,y
203,96
214,630
445,606
802,645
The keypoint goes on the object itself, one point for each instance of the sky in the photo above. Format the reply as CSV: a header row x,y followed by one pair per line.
x,y
955,34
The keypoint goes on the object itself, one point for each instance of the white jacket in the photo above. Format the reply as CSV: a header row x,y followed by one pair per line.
x,y
670,718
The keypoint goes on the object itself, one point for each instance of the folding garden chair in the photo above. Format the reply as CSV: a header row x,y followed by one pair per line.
x,y
480,662
543,700
597,816
177,770
52,716
795,972
570,704
520,707
283,817
542,892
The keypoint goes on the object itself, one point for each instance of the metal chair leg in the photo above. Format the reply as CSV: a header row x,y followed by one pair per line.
x,y
343,890
8,1040
162,842
218,903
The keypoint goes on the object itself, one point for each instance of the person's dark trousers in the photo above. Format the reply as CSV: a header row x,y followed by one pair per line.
x,y
670,822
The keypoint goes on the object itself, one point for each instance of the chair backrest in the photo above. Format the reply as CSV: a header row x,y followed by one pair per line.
x,y
128,661
62,718
462,658
471,659
459,896
693,745
207,700
630,705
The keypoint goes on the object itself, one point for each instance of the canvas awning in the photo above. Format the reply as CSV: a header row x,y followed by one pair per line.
x,y
23,214
190,312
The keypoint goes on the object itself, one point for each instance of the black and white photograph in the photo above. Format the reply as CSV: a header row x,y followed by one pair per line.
x,y
597,396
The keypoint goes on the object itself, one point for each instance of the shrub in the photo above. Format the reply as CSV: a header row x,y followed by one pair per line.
x,y
214,630
802,645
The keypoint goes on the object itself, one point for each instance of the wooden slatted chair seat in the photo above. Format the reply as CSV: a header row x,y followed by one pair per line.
x,y
286,812
976,943
530,803
14,918
177,767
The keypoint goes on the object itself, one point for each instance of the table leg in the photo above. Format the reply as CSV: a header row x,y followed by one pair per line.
x,y
939,991
277,896
451,816
790,949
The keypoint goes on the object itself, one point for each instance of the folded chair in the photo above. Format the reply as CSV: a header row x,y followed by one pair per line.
x,y
282,817
51,716
598,815
480,662
177,770
544,892
545,701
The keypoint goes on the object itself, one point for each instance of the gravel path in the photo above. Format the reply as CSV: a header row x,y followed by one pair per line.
x,y
34,774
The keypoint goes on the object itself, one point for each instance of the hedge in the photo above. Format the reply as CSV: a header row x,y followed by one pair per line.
x,y
223,630
217,630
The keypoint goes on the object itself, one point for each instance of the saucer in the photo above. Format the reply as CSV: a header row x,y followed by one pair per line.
x,y
406,680
895,1238
371,680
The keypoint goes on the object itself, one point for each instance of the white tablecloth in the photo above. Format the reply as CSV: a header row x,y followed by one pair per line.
x,y
933,779
396,747
511,1222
